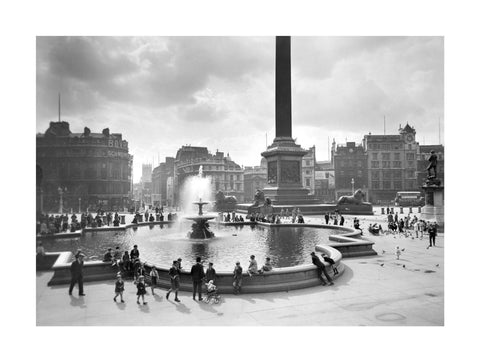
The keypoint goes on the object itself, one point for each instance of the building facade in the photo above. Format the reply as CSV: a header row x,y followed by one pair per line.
x,y
392,164
160,176
254,178
350,165
225,174
82,170
308,170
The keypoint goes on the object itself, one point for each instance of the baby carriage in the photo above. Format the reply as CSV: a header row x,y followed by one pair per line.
x,y
212,293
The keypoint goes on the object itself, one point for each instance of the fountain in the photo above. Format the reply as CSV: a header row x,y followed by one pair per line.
x,y
195,188
200,227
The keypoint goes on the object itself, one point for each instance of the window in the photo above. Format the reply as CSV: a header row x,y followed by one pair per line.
x,y
307,172
410,173
410,164
397,164
409,146
410,156
385,164
397,185
396,156
387,185
385,156
307,182
387,175
375,185
375,175
359,173
359,163
307,162
375,164
374,156
397,174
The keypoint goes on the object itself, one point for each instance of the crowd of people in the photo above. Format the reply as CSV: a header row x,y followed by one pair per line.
x,y
54,224
128,264
336,218
151,217
284,217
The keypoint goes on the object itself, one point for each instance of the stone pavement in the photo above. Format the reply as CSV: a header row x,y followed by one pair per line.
x,y
405,292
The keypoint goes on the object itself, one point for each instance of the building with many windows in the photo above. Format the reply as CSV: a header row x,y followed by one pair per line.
x,y
308,170
160,176
392,164
225,174
82,170
350,165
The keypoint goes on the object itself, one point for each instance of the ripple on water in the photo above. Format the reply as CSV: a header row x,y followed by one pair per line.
x,y
161,244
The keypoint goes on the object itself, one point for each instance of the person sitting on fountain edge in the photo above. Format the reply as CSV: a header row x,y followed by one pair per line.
x,y
253,267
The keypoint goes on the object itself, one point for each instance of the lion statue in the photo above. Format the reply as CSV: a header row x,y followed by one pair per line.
x,y
225,203
357,198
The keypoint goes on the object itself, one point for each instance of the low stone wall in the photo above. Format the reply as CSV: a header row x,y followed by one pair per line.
x,y
280,279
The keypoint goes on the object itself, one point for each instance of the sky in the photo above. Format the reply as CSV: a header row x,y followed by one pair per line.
x,y
219,92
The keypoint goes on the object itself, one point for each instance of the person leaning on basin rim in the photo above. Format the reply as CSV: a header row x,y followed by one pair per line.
x,y
321,269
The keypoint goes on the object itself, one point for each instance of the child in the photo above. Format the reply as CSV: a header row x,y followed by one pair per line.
x,y
331,262
398,252
119,288
211,292
267,267
237,278
141,291
153,278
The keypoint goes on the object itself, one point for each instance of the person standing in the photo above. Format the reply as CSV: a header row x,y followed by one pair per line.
x,y
210,274
342,220
253,266
197,274
432,233
327,217
174,274
237,278
119,288
76,271
153,278
141,290
321,269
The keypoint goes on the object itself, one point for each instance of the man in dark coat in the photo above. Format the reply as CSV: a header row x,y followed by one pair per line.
x,y
197,276
134,253
76,270
432,233
327,217
321,269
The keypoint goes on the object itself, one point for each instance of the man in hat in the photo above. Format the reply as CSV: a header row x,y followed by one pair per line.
x,y
197,274
321,269
76,271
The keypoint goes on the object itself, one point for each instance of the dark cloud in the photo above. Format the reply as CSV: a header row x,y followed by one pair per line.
x,y
162,92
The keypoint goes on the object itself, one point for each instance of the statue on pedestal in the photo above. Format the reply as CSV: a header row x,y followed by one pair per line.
x,y
356,199
432,179
432,165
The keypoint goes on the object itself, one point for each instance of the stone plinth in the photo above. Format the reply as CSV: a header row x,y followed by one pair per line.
x,y
284,175
434,203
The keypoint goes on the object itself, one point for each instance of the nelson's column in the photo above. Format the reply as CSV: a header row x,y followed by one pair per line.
x,y
284,156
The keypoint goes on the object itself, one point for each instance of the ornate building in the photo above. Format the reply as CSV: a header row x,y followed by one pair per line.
x,y
80,170
392,164
225,174
350,165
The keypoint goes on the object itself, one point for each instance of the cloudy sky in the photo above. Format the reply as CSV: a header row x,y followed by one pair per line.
x,y
165,92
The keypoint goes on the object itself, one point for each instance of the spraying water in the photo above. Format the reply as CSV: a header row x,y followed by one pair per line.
x,y
195,188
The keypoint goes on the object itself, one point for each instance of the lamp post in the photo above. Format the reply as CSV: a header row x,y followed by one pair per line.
x,y
353,186
79,205
61,191
41,201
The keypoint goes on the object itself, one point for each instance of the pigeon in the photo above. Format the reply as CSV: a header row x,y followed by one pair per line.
x,y
382,264
428,247
437,265
383,251
403,249
404,265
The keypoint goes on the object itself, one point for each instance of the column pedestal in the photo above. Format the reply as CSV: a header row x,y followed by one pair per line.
x,y
434,203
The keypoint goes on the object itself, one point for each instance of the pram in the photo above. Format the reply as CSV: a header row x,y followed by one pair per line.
x,y
212,293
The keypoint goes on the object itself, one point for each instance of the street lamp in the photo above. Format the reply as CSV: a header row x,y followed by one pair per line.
x,y
79,205
353,186
61,191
